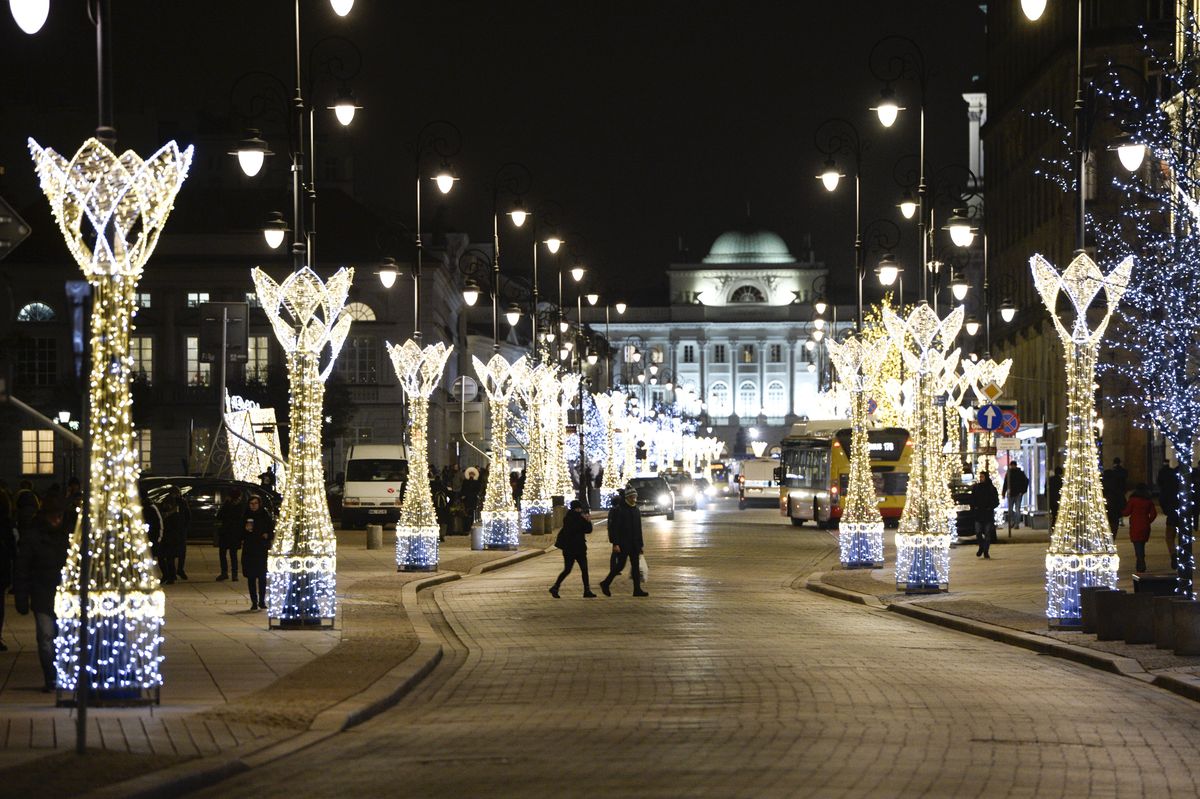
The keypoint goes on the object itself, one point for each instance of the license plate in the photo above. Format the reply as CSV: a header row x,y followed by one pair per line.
x,y
380,512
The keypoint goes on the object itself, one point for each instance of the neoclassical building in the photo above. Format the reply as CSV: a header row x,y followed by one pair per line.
x,y
736,342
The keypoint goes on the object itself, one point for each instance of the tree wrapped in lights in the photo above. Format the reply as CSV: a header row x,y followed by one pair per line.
x,y
610,406
923,540
860,532
302,565
125,202
529,388
1081,552
419,370
499,514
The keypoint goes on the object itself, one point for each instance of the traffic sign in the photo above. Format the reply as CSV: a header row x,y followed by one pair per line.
x,y
13,229
1007,443
1010,424
989,417
992,391
872,405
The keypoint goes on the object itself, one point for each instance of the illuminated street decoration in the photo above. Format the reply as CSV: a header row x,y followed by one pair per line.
x,y
536,389
610,406
979,375
1081,549
125,202
499,513
569,385
860,531
302,566
953,386
419,371
247,422
923,540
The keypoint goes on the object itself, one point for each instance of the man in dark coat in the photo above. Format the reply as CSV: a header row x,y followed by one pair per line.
x,y
1016,483
258,531
984,501
1168,498
625,533
1054,491
40,559
572,540
25,505
229,534
1113,485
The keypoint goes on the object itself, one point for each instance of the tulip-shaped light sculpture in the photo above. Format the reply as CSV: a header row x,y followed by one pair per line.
x,y
110,210
419,370
986,378
569,385
1081,552
499,513
302,565
610,407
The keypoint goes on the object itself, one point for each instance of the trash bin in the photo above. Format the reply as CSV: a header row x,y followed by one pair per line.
x,y
374,536
477,538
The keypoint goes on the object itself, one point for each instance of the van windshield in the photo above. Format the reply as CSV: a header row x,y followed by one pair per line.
x,y
376,470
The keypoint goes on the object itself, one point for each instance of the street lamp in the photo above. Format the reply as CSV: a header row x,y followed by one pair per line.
x,y
888,269
887,110
513,315
388,271
344,107
471,292
275,230
840,136
1033,9
1008,311
1131,153
959,227
30,15
959,287
252,152
577,273
620,306
341,7
971,325
552,244
830,176
908,205
820,305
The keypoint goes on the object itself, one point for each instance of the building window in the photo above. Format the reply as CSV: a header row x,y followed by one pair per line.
x,y
360,435
747,399
776,398
357,363
718,399
747,355
252,299
36,312
689,353
37,452
776,353
141,350
198,374
656,355
718,353
194,298
257,358
37,362
747,294
142,299
360,312
141,444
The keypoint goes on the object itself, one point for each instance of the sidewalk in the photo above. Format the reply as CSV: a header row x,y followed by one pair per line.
x,y
230,684
1005,598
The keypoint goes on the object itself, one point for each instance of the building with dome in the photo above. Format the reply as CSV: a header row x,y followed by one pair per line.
x,y
735,343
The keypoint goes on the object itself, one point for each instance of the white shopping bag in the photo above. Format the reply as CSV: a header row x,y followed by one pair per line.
x,y
643,568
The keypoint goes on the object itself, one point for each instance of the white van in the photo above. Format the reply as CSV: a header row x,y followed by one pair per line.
x,y
758,484
374,484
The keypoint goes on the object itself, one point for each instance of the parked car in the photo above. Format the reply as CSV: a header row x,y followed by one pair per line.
x,y
683,487
204,496
655,497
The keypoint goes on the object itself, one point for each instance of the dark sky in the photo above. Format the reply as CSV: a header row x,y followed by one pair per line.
x,y
646,121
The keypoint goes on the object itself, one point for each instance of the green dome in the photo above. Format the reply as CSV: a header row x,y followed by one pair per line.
x,y
745,247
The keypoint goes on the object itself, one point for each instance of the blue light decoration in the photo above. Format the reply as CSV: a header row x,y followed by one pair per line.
x,y
126,202
498,516
302,564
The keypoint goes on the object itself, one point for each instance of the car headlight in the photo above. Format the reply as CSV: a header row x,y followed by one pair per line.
x,y
689,491
710,491
664,499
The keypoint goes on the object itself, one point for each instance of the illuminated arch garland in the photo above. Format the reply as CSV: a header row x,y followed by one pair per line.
x,y
419,371
302,565
923,540
860,532
1081,549
125,202
499,513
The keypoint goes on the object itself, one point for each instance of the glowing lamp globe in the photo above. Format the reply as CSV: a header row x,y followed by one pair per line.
x,y
1131,155
564,353
818,334
341,7
471,292
563,325
1008,312
518,217
830,176
388,273
888,270
251,153
887,110
577,273
1033,9
274,230
552,244
620,306
959,227
971,325
444,181
592,298
653,368
959,287
30,15
641,378
819,323
513,315
908,206
812,367
810,345
592,357
820,305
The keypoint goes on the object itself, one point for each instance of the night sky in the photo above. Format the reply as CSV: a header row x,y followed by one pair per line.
x,y
648,122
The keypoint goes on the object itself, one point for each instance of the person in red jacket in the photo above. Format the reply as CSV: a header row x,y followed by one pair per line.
x,y
1141,512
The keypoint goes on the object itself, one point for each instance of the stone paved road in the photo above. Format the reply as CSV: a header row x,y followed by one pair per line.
x,y
731,681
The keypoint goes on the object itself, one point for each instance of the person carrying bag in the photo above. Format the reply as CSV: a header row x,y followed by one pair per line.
x,y
572,541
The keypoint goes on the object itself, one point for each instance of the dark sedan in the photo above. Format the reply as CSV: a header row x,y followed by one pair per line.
x,y
204,496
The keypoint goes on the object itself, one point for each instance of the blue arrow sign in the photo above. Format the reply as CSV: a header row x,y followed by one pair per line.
x,y
989,417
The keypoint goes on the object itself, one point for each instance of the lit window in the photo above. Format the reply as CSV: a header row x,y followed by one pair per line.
x,y
36,312
257,358
747,353
656,355
718,353
747,294
747,399
360,312
776,398
141,443
142,298
689,353
37,452
718,399
358,362
776,353
37,362
141,350
198,374
194,298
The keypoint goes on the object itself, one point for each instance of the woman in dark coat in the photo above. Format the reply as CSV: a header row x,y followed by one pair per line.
x,y
258,533
174,536
573,543
984,501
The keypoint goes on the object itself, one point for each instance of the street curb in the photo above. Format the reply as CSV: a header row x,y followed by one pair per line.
x,y
493,565
1182,685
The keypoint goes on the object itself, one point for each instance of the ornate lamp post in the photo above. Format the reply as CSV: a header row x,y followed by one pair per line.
x,y
1081,552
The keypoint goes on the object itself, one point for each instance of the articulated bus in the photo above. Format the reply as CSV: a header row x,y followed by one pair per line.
x,y
815,472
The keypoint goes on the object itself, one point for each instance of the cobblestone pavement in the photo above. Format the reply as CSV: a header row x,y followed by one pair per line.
x,y
729,680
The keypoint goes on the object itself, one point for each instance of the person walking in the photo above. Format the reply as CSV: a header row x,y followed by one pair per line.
x,y
984,501
1054,490
1112,485
1016,483
625,533
572,541
229,535
1140,510
174,528
1168,499
8,552
25,505
184,523
258,531
40,558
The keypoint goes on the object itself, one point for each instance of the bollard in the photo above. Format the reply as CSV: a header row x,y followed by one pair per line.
x,y
1164,622
537,523
560,514
1087,607
1187,627
1108,614
374,536
477,538
1138,617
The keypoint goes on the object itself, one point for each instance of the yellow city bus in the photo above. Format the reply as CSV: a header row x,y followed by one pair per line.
x,y
815,472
